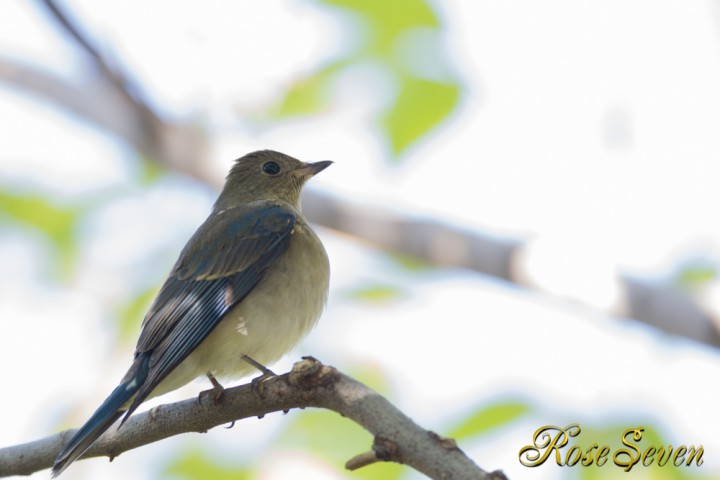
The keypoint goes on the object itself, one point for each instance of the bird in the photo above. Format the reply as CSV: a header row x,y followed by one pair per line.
x,y
249,284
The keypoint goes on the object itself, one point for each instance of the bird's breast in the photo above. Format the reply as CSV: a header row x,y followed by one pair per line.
x,y
277,313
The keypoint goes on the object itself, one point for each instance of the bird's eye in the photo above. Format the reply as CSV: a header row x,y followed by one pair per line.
x,y
271,168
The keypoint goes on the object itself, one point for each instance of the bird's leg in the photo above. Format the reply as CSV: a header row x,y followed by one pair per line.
x,y
216,392
266,373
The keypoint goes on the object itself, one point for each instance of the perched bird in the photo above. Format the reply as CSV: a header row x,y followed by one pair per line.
x,y
248,285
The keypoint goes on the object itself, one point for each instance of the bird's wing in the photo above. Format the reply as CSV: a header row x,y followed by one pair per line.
x,y
218,267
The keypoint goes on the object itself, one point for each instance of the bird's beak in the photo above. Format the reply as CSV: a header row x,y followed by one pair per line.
x,y
311,169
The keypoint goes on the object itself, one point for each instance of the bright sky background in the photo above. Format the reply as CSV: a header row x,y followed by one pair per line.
x,y
592,128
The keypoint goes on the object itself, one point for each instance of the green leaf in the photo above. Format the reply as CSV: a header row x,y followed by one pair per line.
x,y
335,439
196,465
376,293
411,263
385,41
386,21
384,470
696,275
308,95
419,107
150,171
57,223
331,437
373,377
489,417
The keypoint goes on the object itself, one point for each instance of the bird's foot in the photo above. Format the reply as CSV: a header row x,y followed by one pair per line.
x,y
216,392
267,374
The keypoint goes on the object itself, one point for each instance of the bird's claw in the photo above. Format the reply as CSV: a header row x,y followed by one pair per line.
x,y
259,382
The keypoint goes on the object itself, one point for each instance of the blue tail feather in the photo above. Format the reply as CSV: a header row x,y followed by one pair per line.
x,y
110,410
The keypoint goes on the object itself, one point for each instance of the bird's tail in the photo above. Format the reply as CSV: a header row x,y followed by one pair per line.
x,y
111,409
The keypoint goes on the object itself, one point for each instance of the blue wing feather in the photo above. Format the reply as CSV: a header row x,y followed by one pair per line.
x,y
193,300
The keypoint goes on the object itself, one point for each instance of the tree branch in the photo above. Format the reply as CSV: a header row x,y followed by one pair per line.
x,y
308,384
176,146
126,90
123,85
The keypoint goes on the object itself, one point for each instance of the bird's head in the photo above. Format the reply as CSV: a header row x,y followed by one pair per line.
x,y
267,175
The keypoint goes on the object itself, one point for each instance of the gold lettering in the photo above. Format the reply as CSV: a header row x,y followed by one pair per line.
x,y
692,452
679,457
602,456
587,459
647,458
571,462
662,459
544,443
553,439
631,460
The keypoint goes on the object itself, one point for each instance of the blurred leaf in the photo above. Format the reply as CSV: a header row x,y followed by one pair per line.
x,y
131,313
376,293
489,417
384,470
326,434
196,465
335,439
374,378
58,223
308,95
409,262
151,171
386,21
417,104
696,275
419,107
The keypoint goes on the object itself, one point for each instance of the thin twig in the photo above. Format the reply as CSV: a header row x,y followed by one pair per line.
x,y
115,75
